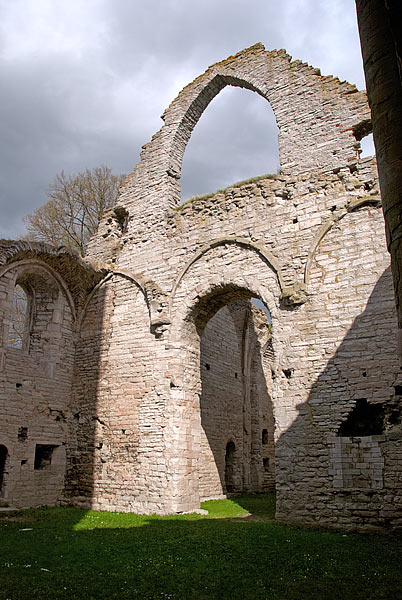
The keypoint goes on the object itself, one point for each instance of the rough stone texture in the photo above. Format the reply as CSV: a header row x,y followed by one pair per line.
x,y
380,23
36,379
148,426
235,404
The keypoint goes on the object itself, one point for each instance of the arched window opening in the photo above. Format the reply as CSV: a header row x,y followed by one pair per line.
x,y
229,466
3,459
264,437
34,310
367,146
235,139
17,331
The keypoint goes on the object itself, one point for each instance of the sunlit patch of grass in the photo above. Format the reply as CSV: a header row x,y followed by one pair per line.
x,y
67,553
217,509
223,509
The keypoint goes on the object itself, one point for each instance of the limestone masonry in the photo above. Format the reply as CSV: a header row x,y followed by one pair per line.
x,y
149,377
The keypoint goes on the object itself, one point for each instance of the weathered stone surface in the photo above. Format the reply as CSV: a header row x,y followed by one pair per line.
x,y
148,425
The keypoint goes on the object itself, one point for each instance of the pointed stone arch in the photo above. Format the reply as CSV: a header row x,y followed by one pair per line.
x,y
227,273
315,117
263,253
328,225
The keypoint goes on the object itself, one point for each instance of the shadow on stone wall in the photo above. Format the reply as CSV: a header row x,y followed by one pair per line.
x,y
235,405
325,477
84,463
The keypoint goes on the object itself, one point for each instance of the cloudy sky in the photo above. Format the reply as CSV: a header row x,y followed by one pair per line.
x,y
84,82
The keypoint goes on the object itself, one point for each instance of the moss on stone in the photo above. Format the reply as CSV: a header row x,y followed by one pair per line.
x,y
222,191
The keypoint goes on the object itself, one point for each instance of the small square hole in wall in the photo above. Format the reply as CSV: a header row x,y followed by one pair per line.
x,y
22,434
43,456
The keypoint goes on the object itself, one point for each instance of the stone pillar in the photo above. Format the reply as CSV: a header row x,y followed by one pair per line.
x,y
183,430
380,24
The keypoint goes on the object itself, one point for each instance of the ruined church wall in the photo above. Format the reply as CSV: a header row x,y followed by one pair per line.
x,y
345,351
221,403
267,238
309,242
35,384
117,456
285,217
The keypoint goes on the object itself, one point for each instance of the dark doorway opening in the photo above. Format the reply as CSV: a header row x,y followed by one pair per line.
x,y
3,458
229,466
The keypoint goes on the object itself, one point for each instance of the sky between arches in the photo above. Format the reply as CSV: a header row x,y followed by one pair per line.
x,y
84,84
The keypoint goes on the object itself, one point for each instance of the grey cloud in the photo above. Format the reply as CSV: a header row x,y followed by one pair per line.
x,y
197,32
70,111
229,146
53,117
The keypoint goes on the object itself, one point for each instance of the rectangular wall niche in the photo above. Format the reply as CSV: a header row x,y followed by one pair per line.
x,y
357,462
43,456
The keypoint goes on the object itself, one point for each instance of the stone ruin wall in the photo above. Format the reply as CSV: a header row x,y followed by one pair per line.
x,y
36,377
309,243
235,404
221,403
32,413
119,441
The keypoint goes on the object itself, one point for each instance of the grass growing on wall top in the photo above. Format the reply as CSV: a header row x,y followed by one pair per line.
x,y
233,185
236,552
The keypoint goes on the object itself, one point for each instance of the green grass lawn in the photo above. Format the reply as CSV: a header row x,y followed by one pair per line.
x,y
67,553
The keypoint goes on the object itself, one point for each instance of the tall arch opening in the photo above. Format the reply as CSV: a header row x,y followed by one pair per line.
x,y
236,396
234,140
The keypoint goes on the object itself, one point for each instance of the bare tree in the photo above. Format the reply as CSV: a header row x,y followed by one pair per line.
x,y
74,209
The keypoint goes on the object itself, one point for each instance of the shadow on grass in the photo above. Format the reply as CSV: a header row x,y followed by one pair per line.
x,y
69,553
260,506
